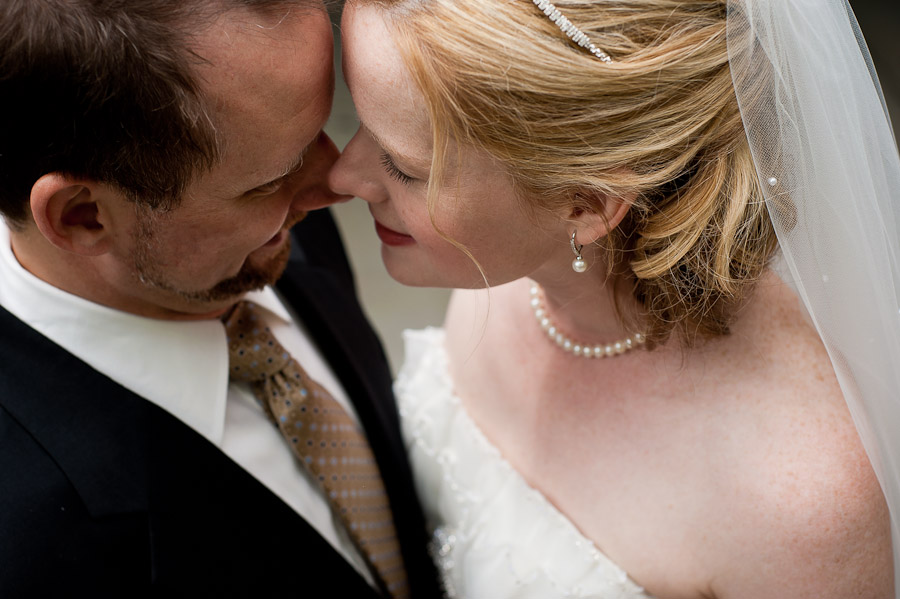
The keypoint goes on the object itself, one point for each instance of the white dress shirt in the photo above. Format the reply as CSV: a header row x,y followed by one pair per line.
x,y
182,367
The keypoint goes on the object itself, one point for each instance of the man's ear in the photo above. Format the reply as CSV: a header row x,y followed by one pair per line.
x,y
594,215
70,213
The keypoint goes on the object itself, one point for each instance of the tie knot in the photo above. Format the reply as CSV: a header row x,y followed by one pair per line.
x,y
253,352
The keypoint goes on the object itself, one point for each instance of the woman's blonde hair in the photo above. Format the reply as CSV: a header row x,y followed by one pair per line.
x,y
660,124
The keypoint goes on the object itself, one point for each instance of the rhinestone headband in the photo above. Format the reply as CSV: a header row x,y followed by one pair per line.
x,y
574,33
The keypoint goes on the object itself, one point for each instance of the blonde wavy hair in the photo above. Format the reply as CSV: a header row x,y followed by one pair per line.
x,y
660,124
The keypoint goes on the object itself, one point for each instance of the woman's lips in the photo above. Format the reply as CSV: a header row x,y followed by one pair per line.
x,y
391,237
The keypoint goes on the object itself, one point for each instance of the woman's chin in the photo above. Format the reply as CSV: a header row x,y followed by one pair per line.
x,y
406,272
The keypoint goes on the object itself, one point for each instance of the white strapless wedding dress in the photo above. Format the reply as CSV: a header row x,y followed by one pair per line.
x,y
495,537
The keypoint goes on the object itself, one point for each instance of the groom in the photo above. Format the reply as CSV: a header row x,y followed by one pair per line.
x,y
154,156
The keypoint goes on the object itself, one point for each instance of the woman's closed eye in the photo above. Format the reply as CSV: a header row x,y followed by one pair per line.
x,y
393,171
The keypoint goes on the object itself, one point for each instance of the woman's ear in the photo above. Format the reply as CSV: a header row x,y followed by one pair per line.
x,y
69,213
594,214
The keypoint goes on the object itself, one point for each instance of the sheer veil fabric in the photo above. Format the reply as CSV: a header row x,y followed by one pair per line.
x,y
827,161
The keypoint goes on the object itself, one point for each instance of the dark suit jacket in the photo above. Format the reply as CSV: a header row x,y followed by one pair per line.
x,y
103,494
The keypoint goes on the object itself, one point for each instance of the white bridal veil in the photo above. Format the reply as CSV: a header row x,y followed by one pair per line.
x,y
827,159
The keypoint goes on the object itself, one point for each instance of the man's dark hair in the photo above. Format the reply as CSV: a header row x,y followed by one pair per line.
x,y
104,89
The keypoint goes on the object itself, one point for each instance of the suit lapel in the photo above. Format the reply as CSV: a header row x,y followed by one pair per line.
x,y
207,520
200,500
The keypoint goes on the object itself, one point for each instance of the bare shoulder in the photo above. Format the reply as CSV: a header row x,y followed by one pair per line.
x,y
806,516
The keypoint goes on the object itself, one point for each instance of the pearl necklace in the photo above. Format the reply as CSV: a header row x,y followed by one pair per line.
x,y
601,350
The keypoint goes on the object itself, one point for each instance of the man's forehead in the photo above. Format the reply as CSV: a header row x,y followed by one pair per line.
x,y
267,84
240,26
245,62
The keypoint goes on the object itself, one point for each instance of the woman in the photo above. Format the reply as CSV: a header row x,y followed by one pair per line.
x,y
637,406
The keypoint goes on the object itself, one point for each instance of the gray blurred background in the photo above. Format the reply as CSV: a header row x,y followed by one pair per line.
x,y
393,307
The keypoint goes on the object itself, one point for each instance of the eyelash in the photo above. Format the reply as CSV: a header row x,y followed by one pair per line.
x,y
394,172
269,188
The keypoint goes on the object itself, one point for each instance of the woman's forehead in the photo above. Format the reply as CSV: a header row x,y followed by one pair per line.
x,y
388,102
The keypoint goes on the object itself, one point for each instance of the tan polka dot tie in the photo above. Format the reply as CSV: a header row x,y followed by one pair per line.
x,y
323,437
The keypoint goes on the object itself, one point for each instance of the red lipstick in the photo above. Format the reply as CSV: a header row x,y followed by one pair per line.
x,y
391,237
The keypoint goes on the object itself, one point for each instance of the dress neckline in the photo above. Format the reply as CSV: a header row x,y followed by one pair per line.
x,y
462,477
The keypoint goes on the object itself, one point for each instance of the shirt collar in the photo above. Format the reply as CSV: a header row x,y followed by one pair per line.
x,y
181,366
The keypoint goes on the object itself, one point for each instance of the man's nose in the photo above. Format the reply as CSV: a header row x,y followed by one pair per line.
x,y
313,191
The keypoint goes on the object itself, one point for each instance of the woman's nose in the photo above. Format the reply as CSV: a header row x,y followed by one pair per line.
x,y
357,171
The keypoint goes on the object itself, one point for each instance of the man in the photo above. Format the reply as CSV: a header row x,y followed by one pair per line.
x,y
154,157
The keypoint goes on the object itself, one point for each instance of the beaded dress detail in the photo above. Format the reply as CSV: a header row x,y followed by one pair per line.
x,y
495,537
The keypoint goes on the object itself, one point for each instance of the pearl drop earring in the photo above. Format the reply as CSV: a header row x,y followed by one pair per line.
x,y
578,264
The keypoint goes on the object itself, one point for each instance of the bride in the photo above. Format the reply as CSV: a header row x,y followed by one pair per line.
x,y
626,400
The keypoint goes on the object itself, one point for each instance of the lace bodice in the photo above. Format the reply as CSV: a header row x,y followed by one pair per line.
x,y
495,537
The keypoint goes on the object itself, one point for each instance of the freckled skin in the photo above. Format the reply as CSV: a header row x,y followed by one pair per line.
x,y
730,470
478,207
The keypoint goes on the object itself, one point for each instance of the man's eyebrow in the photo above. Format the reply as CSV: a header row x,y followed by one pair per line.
x,y
288,170
295,165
